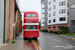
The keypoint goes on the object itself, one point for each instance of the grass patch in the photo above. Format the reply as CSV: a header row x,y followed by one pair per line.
x,y
68,34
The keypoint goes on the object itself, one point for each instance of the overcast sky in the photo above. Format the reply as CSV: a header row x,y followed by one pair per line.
x,y
30,5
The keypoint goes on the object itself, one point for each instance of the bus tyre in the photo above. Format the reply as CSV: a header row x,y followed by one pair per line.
x,y
25,38
35,38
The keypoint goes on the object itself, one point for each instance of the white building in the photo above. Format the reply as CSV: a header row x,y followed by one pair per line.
x,y
57,14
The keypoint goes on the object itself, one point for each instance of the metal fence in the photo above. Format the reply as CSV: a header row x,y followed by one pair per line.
x,y
72,28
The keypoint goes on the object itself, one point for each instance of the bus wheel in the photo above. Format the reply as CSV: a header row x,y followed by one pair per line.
x,y
35,38
25,38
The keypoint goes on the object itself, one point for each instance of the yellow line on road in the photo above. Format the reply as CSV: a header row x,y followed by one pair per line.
x,y
37,45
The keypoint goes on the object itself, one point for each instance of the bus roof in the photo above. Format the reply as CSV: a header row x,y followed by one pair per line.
x,y
30,12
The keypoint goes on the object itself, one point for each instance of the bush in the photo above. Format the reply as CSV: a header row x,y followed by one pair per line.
x,y
51,31
56,32
60,31
63,29
66,29
71,32
44,30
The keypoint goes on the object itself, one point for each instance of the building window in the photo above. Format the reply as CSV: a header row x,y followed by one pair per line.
x,y
43,8
62,11
49,2
49,15
43,22
53,20
53,26
54,0
54,7
53,13
62,3
42,13
43,18
62,19
49,27
50,9
49,21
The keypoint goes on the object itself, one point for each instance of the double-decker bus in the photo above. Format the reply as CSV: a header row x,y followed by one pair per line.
x,y
31,25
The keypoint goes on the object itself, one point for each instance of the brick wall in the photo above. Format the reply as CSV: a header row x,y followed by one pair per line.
x,y
19,28
56,27
12,10
42,28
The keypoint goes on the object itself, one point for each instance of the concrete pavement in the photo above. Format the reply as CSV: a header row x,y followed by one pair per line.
x,y
19,45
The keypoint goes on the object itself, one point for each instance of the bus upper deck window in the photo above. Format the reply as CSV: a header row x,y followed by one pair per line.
x,y
28,15
33,15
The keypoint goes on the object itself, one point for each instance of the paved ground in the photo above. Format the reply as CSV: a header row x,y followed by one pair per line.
x,y
19,45
46,41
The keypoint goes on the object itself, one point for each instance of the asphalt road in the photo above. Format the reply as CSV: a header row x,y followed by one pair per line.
x,y
48,41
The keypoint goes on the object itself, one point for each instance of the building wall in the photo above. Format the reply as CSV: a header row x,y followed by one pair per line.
x,y
42,28
56,10
7,21
19,25
71,13
16,22
12,10
11,16
57,16
1,21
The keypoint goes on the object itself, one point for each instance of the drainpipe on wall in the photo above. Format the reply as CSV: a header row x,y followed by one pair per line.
x,y
4,22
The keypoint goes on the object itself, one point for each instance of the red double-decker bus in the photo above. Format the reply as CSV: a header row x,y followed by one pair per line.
x,y
31,25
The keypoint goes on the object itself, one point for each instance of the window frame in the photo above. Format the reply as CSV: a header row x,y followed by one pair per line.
x,y
54,13
63,19
49,8
54,20
50,15
49,27
43,22
54,6
62,3
49,21
62,11
49,2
